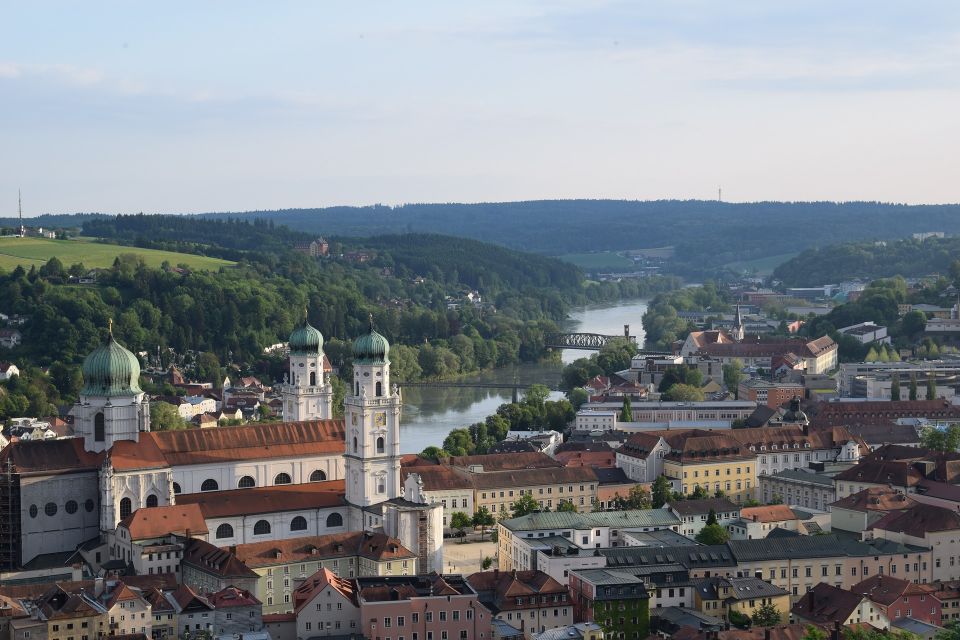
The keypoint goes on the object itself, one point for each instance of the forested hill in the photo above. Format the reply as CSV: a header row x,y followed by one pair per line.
x,y
869,260
705,233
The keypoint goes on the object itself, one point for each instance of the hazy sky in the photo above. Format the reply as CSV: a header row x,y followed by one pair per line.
x,y
200,106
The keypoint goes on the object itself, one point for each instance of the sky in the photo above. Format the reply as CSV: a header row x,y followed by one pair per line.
x,y
175,107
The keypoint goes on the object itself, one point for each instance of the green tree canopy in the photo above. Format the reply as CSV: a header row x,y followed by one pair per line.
x,y
712,534
767,616
661,491
683,393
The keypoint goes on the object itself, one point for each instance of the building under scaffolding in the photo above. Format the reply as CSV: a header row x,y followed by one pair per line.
x,y
9,517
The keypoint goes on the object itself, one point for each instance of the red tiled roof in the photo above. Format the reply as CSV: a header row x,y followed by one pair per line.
x,y
898,474
878,411
121,593
875,499
216,560
530,477
373,546
919,520
826,603
506,461
770,513
305,593
436,477
126,455
233,597
285,497
155,522
500,589
887,589
49,456
588,458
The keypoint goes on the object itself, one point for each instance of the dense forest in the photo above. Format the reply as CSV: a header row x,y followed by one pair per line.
x,y
868,261
706,235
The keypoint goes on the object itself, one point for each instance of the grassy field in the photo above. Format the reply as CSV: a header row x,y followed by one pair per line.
x,y
36,251
598,261
762,266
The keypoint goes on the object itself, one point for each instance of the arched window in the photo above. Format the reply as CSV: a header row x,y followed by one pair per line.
x,y
99,427
313,378
282,478
298,524
334,520
224,531
246,482
380,445
379,389
209,485
176,489
262,528
318,476
358,389
152,500
126,508
354,444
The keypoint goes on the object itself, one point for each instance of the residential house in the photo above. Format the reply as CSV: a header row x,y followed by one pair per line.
x,y
128,610
326,605
237,612
859,511
148,537
758,522
924,525
713,460
208,569
530,601
517,537
616,600
898,598
423,606
693,514
8,370
718,596
826,604
641,456
10,338
797,487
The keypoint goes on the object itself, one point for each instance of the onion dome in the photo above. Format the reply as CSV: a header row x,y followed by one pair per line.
x,y
794,415
306,340
111,370
371,348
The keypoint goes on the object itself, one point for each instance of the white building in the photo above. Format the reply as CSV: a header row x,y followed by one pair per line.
x,y
867,333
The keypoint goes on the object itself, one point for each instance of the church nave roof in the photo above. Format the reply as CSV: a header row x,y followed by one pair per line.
x,y
286,497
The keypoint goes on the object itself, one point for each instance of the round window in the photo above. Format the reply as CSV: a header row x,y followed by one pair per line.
x,y
50,509
71,506
366,374
300,365
33,511
88,505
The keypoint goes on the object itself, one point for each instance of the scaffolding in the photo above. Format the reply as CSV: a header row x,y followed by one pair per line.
x,y
9,517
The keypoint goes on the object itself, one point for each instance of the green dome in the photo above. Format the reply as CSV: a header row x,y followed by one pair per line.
x,y
306,339
111,370
371,348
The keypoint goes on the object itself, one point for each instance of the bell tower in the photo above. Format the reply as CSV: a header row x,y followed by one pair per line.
x,y
306,392
372,413
111,405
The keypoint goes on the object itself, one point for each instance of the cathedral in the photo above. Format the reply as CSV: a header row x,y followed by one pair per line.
x,y
311,474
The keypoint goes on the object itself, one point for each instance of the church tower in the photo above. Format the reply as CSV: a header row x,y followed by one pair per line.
x,y
372,413
111,406
307,394
738,329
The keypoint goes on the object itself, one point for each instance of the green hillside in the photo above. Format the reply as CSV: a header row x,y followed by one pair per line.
x,y
36,251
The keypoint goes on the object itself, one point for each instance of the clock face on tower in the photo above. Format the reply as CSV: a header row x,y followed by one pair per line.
x,y
381,419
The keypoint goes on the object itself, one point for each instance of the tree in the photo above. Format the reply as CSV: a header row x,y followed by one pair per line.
x,y
895,387
434,453
483,518
626,411
567,506
814,633
164,417
947,439
713,534
776,499
913,386
699,493
767,616
719,493
578,397
536,395
524,505
460,521
487,563
683,393
733,375
661,491
712,518
751,502
637,498
738,619
931,387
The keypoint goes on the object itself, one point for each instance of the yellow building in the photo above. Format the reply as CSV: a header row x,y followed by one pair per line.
x,y
712,460
718,596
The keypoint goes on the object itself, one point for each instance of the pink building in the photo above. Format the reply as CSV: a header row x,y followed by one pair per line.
x,y
431,607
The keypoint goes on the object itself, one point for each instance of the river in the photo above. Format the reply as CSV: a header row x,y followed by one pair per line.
x,y
429,414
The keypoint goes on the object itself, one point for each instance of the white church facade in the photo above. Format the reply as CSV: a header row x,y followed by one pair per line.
x,y
311,474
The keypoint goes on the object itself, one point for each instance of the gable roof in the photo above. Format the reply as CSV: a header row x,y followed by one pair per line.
x,y
887,589
529,477
768,513
437,477
155,522
373,546
315,584
896,473
215,560
701,507
878,411
498,590
233,597
875,499
47,457
284,497
826,603
919,520
506,461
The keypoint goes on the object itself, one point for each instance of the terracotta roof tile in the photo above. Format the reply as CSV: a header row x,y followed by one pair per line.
x,y
155,522
286,497
506,461
233,597
886,589
373,546
50,456
216,560
770,513
826,603
875,499
436,477
530,477
305,593
919,520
